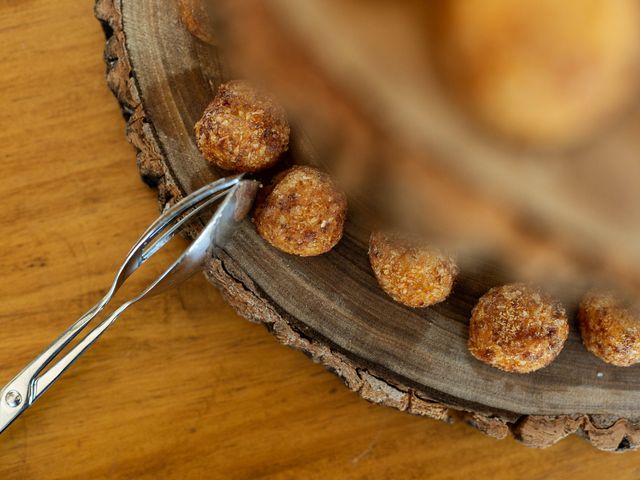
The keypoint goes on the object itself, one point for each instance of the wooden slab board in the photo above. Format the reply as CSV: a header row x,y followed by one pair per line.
x,y
330,307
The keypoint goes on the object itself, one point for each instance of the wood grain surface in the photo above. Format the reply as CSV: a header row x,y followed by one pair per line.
x,y
180,387
331,306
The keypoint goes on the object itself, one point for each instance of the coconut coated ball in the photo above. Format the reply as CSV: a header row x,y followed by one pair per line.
x,y
242,129
517,328
302,213
409,271
610,329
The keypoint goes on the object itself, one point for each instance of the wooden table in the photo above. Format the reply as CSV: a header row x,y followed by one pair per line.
x,y
180,387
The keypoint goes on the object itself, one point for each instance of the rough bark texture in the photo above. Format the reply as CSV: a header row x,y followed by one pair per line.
x,y
605,433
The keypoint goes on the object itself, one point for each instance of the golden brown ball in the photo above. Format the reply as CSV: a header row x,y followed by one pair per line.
x,y
242,129
610,329
517,328
543,72
410,272
303,212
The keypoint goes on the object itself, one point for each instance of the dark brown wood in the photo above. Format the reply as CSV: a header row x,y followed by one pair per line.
x,y
330,307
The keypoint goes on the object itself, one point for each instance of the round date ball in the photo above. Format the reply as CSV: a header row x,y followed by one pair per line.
x,y
547,73
610,329
410,272
517,328
242,129
302,213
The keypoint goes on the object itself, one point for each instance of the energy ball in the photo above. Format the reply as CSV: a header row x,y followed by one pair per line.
x,y
610,329
517,328
542,72
410,272
242,129
302,213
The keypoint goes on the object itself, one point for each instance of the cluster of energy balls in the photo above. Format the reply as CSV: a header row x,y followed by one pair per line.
x,y
302,211
516,328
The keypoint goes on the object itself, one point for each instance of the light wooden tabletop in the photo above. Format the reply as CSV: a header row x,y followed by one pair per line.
x,y
180,387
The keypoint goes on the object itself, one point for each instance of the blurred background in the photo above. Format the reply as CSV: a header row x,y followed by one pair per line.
x,y
508,129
